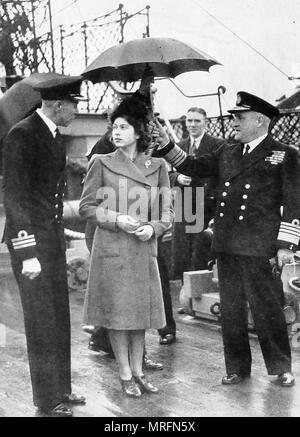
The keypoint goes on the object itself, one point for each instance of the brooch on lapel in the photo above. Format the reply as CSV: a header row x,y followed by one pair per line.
x,y
148,163
276,158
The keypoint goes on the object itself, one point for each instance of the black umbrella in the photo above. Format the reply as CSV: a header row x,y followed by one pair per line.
x,y
20,100
127,62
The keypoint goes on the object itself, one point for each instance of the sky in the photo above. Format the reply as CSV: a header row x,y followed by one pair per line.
x,y
225,29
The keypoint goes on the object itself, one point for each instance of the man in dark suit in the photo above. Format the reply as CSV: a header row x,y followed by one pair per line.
x,y
34,182
256,219
191,250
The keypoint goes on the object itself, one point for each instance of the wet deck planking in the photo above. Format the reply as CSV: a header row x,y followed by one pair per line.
x,y
189,384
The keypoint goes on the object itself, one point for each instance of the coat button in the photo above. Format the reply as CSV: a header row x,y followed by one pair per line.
x,y
56,206
241,217
56,216
247,186
243,207
56,195
245,196
227,184
224,194
222,204
221,214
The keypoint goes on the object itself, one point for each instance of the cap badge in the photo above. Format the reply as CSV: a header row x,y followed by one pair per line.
x,y
238,99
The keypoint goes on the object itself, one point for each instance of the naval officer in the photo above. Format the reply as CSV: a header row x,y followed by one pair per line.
x,y
34,182
256,219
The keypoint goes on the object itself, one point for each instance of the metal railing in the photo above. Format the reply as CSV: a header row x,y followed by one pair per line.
x,y
285,128
29,43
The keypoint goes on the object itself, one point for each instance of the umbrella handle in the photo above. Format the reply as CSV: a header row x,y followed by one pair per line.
x,y
151,93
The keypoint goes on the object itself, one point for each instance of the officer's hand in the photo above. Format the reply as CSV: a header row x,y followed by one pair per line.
x,y
158,133
184,180
144,232
31,268
127,223
284,256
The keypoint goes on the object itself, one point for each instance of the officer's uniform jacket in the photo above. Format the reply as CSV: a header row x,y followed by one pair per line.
x,y
258,206
34,182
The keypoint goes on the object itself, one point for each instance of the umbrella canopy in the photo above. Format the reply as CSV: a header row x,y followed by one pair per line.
x,y
291,102
20,100
166,56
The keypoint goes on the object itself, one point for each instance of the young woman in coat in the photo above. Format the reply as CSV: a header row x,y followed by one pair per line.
x,y
120,196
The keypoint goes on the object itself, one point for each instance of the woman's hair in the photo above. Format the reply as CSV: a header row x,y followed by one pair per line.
x,y
135,113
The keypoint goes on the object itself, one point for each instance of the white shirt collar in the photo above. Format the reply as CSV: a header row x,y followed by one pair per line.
x,y
197,140
254,143
52,126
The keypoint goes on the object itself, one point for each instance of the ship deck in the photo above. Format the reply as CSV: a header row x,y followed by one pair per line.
x,y
190,383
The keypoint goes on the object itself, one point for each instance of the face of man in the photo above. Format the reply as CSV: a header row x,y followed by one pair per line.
x,y
246,126
195,124
66,113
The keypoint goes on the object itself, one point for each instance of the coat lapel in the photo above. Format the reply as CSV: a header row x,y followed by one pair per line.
x,y
138,170
260,152
45,138
233,165
204,146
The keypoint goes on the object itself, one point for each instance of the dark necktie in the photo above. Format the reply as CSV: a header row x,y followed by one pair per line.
x,y
246,152
193,148
57,135
59,148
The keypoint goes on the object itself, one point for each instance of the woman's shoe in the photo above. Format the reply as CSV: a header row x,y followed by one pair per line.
x,y
150,364
130,388
145,385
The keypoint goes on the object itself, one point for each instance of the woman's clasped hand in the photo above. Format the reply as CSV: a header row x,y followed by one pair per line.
x,y
132,226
